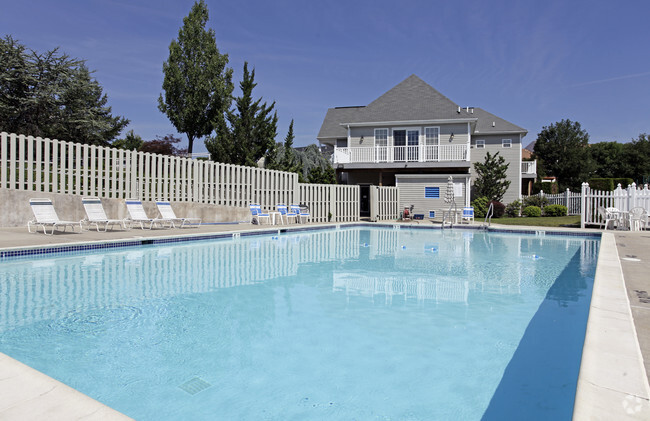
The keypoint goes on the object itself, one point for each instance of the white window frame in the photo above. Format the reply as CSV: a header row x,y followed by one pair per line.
x,y
425,135
375,138
480,144
506,143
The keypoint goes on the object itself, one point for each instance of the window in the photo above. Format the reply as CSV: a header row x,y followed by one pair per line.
x,y
432,192
381,137
431,135
480,144
506,143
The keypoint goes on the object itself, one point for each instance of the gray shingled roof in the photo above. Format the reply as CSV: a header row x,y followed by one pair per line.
x,y
412,99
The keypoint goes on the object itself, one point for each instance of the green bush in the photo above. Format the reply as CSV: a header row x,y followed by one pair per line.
x,y
540,202
480,206
532,211
624,182
555,210
548,188
513,209
609,184
498,209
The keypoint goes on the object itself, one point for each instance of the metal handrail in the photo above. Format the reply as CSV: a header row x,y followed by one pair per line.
x,y
488,216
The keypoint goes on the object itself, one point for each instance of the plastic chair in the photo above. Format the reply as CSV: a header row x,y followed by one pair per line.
x,y
608,215
638,219
301,212
168,214
95,214
137,214
258,215
468,214
45,216
285,213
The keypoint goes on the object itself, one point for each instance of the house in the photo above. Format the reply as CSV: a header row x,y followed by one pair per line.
x,y
414,137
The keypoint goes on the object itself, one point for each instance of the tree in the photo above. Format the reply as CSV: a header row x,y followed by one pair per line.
x,y
322,176
197,84
283,157
636,158
562,149
163,146
608,159
251,129
52,95
130,142
491,178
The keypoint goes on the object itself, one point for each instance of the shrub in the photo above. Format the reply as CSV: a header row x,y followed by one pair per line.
x,y
498,209
513,209
548,188
602,184
480,206
624,182
540,202
555,210
532,211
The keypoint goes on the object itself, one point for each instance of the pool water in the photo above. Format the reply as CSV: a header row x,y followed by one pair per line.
x,y
350,324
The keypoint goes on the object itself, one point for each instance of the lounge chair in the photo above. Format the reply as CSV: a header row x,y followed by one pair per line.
x,y
167,213
285,213
301,212
45,216
95,214
468,214
138,215
258,215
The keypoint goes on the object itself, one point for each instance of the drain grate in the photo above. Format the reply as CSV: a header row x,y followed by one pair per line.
x,y
194,385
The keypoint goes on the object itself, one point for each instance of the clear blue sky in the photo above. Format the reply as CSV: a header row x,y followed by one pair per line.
x,y
530,62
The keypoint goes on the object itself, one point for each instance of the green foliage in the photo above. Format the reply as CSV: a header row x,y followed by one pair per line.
x,y
480,205
498,209
637,159
52,95
513,209
608,159
624,182
563,151
491,178
609,184
540,202
320,176
250,131
555,210
130,142
546,187
197,82
532,211
283,157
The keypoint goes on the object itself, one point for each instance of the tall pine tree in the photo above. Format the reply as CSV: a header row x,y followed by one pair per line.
x,y
491,177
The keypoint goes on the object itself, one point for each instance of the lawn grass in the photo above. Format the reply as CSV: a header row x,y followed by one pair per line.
x,y
543,221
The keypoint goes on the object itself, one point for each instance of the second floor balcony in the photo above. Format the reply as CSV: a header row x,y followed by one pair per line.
x,y
410,153
529,168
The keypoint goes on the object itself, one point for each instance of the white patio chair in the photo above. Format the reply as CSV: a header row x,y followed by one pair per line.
x,y
468,214
257,214
138,215
608,215
302,212
638,219
95,214
285,213
45,216
167,213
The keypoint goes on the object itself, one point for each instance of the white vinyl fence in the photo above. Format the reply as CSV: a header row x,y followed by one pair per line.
x,y
384,203
49,165
568,199
622,199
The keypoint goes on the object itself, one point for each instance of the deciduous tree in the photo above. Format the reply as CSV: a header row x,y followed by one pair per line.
x,y
197,82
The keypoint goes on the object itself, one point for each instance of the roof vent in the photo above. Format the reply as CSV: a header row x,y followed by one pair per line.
x,y
494,123
459,110
467,109
472,110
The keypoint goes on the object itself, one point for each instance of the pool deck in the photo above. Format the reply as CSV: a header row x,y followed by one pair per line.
x,y
613,382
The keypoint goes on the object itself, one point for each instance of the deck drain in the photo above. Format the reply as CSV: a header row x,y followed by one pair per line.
x,y
195,385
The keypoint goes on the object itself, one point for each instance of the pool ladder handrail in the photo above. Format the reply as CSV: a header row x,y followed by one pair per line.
x,y
488,217
444,216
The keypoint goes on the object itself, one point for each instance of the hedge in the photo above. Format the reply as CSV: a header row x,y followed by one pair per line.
x,y
555,210
532,211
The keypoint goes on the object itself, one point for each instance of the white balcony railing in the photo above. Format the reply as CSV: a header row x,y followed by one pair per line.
x,y
529,167
415,153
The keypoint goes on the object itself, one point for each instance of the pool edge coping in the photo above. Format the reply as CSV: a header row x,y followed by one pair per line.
x,y
612,382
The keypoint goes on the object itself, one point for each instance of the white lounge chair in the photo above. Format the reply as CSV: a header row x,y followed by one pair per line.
x,y
45,216
167,213
138,215
95,214
285,213
257,214
301,212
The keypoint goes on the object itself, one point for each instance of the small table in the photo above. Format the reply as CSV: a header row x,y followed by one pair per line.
x,y
273,215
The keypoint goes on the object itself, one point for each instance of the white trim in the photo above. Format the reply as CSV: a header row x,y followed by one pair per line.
x,y
424,133
520,149
410,122
477,144
509,144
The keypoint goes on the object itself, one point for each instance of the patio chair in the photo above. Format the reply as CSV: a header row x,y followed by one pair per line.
x,y
608,215
301,212
258,215
167,213
138,215
95,214
638,219
285,213
45,216
468,214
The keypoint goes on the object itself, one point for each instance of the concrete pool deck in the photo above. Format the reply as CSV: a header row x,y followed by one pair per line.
x,y
613,383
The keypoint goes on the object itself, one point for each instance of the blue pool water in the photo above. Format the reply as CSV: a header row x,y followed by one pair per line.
x,y
350,324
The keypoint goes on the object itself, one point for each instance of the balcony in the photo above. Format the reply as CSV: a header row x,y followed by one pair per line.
x,y
529,168
391,154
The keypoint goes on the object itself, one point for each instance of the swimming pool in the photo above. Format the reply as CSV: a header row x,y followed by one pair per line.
x,y
353,323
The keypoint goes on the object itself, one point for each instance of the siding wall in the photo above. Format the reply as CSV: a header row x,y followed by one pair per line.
x,y
368,133
411,192
512,156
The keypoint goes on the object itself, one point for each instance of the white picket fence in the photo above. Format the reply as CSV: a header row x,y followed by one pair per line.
x,y
569,199
622,199
49,165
